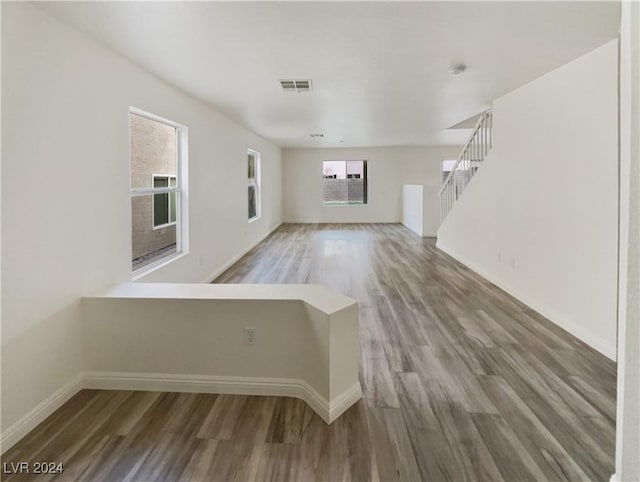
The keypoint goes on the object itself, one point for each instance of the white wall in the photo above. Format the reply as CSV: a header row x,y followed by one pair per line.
x,y
413,207
546,197
628,402
388,169
65,185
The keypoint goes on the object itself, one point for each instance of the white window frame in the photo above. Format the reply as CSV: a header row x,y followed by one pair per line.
x,y
344,204
181,188
448,164
153,203
255,183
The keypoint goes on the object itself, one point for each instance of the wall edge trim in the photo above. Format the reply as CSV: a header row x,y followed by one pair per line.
x,y
343,401
230,385
594,342
39,413
218,271
329,411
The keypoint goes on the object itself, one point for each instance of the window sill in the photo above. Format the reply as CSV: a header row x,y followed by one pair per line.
x,y
344,205
253,219
162,226
156,265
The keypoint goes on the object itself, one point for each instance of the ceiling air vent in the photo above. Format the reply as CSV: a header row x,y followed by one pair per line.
x,y
291,85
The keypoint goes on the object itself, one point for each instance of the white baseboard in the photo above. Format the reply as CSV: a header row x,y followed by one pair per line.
x,y
39,413
344,401
419,233
595,342
235,259
279,387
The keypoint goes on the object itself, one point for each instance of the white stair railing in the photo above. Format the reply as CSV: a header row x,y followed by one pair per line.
x,y
469,161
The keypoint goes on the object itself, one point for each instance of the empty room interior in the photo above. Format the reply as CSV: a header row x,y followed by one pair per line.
x,y
320,241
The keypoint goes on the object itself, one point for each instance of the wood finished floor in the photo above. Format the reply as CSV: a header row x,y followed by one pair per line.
x,y
461,382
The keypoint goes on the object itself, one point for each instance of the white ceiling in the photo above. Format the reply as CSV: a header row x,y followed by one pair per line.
x,y
379,70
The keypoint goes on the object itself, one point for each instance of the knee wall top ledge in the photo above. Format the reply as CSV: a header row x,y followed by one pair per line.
x,y
318,296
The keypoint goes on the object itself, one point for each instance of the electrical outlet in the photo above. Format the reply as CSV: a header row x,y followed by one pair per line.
x,y
499,257
513,263
249,335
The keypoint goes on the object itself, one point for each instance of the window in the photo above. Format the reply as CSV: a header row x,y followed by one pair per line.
x,y
164,205
158,167
447,165
253,178
344,182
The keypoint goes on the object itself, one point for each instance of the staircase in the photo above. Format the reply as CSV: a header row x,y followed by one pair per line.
x,y
469,161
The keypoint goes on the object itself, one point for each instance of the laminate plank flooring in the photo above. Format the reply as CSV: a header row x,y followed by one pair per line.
x,y
461,382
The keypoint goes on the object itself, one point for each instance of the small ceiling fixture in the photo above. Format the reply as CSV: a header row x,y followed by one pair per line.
x,y
316,135
295,85
457,69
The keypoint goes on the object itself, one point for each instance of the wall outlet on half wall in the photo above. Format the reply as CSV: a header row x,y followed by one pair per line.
x,y
249,335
